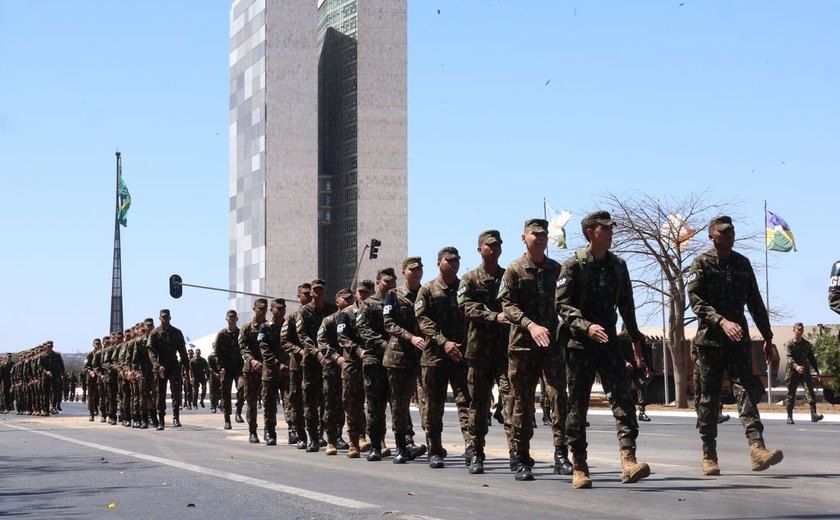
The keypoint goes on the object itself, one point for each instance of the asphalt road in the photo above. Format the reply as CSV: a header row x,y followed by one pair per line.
x,y
64,466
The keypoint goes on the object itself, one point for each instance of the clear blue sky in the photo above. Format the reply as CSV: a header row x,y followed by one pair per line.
x,y
509,102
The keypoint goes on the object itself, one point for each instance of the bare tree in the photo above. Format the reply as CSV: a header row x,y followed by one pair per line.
x,y
659,238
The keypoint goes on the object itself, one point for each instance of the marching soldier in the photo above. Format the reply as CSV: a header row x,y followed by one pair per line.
x,y
800,361
168,352
226,349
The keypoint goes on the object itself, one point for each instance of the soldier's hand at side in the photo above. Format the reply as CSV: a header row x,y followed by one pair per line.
x,y
222,374
800,369
539,335
770,352
283,370
340,361
418,342
732,330
628,366
255,365
451,349
322,359
161,372
597,333
637,353
502,319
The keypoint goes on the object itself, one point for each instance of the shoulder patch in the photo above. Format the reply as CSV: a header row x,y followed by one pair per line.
x,y
340,328
562,281
419,304
462,290
692,277
387,309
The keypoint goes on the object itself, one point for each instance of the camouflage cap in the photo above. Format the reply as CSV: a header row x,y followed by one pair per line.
x,y
595,218
278,302
317,282
386,273
721,223
343,293
365,285
448,253
537,225
260,302
490,237
412,262
164,312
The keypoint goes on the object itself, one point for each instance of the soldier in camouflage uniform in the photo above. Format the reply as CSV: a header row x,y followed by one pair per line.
x,y
370,325
308,322
442,362
800,361
92,379
592,285
143,389
331,357
487,339
226,349
215,383
352,379
168,352
527,296
720,282
294,397
275,368
402,357
251,336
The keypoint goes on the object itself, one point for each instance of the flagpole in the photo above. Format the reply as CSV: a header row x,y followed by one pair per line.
x,y
116,273
664,333
767,295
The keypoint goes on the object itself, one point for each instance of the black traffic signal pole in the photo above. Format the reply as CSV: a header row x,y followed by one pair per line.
x,y
175,285
356,274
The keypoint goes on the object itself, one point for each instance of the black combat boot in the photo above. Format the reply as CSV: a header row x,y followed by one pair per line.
x,y
227,422
562,466
401,457
477,462
293,437
375,453
161,421
176,420
642,415
469,451
412,451
523,469
153,419
238,417
136,422
435,456
144,421
270,438
815,417
252,437
341,444
790,416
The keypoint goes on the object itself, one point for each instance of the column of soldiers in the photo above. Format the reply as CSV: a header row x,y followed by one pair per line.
x,y
34,384
344,361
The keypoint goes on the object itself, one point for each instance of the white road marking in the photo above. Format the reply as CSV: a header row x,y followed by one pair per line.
x,y
303,493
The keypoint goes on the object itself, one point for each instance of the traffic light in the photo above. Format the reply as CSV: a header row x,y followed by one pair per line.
x,y
175,287
374,248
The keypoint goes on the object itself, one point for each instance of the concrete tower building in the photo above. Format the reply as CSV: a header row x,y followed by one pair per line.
x,y
318,142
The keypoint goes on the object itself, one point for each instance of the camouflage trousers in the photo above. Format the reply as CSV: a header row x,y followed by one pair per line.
x,y
293,402
269,392
140,394
525,368
173,377
435,381
94,400
793,380
376,394
333,408
402,383
712,362
607,360
638,385
215,392
125,397
252,387
112,391
353,397
227,388
481,376
198,386
313,397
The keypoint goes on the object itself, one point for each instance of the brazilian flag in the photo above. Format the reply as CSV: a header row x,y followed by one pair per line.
x,y
779,235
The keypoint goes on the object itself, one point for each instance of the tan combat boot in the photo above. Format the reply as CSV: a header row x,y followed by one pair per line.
x,y
364,445
632,471
762,458
710,462
353,451
385,450
331,449
580,472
